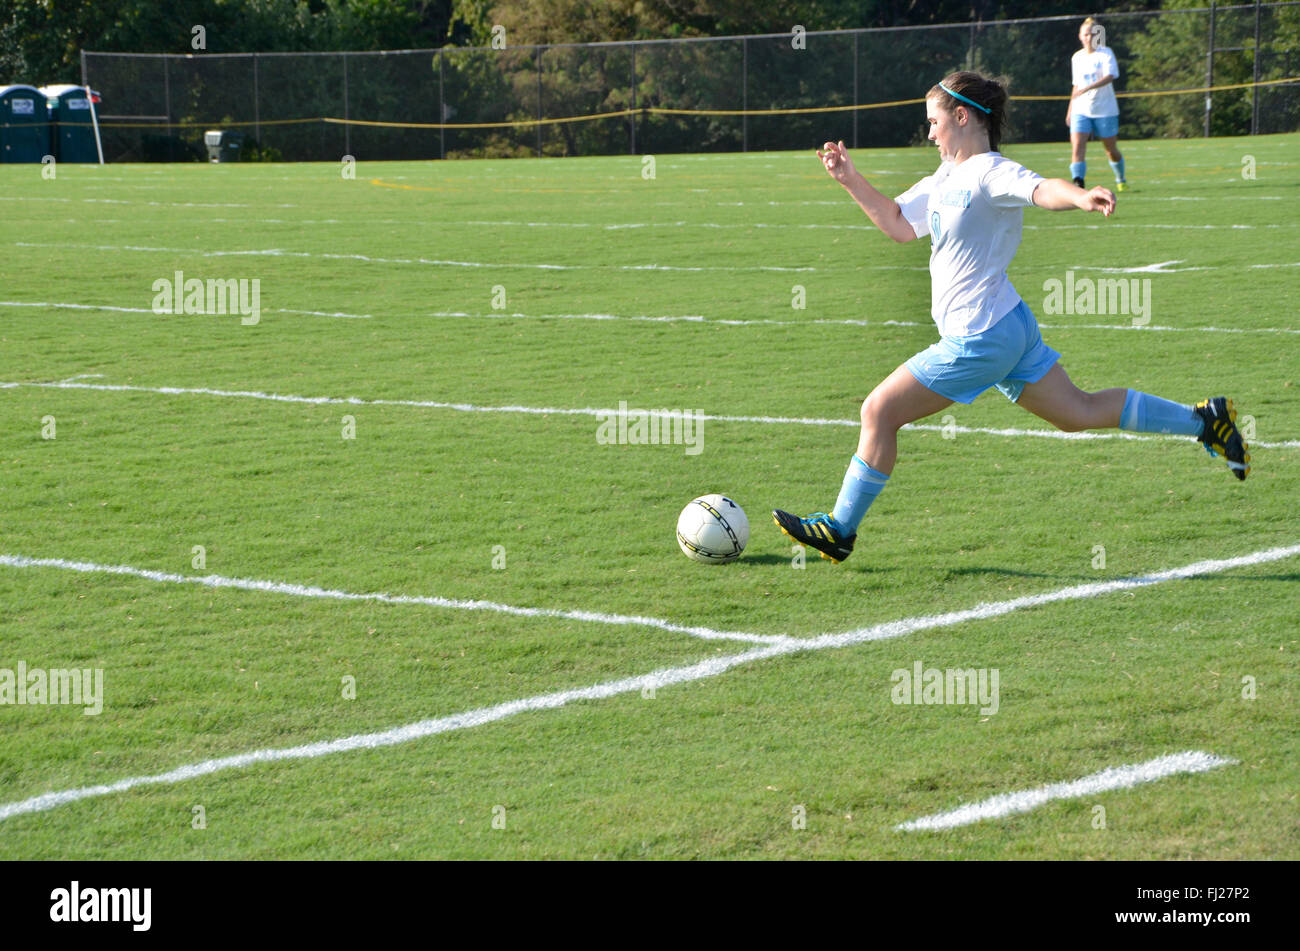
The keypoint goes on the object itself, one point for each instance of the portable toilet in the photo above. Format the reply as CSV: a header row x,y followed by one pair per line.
x,y
24,124
223,146
72,131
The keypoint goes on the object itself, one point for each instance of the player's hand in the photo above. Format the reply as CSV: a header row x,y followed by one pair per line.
x,y
1098,199
835,158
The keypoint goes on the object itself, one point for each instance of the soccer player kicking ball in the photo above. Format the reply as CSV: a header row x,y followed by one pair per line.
x,y
972,209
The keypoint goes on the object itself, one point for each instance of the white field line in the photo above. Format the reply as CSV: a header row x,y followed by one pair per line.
x,y
1026,800
309,591
1126,199
324,313
1111,225
605,413
159,204
434,262
681,318
148,310
716,225
664,677
745,225
1163,267
846,322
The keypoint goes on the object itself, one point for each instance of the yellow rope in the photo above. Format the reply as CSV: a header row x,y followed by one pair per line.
x,y
1171,92
658,111
483,125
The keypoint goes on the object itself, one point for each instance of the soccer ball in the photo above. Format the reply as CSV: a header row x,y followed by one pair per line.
x,y
712,529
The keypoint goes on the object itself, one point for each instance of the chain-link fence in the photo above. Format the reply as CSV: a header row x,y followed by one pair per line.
x,y
784,91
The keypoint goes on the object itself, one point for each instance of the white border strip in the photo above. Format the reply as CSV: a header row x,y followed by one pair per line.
x,y
1026,800
432,262
665,677
681,318
1160,267
604,413
147,310
307,591
846,322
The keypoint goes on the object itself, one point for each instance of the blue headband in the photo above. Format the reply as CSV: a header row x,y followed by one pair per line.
x,y
972,102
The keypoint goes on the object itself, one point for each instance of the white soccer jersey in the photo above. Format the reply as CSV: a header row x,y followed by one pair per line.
x,y
1086,68
973,213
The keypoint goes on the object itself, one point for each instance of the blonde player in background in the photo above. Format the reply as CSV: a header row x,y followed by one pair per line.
x,y
1093,108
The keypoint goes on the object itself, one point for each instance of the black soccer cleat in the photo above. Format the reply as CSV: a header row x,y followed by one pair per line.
x,y
1079,182
1221,436
816,531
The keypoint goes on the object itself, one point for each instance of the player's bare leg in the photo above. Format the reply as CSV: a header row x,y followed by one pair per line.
x,y
896,401
1056,399
1212,421
1078,148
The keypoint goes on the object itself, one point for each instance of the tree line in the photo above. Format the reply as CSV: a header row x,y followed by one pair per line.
x,y
489,70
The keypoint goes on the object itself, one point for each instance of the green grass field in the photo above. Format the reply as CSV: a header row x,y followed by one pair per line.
x,y
530,510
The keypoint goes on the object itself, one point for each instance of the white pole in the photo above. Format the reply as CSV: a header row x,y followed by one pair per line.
x,y
90,101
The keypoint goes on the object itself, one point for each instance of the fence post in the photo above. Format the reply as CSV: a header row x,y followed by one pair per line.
x,y
856,37
744,95
539,101
167,100
1254,106
1209,71
347,126
257,112
632,149
442,113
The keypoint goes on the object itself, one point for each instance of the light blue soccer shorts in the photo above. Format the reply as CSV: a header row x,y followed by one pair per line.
x,y
1103,126
1008,355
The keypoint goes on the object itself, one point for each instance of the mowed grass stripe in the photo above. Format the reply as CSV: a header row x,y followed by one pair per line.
x,y
1165,267
604,413
669,318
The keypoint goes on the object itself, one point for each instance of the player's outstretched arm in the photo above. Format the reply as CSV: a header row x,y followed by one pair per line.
x,y
1056,194
883,212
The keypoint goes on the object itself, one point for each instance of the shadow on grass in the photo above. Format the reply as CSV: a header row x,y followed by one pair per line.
x,y
955,572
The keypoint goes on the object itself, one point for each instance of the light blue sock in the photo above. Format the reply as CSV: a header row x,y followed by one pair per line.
x,y
861,486
1118,169
1078,169
1144,413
